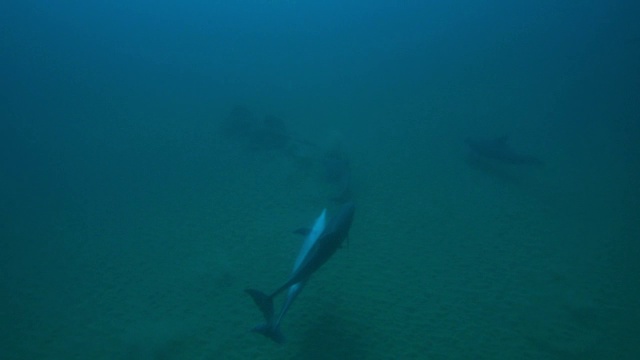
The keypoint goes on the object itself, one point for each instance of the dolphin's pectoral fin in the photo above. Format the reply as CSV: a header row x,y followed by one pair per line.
x,y
302,231
264,303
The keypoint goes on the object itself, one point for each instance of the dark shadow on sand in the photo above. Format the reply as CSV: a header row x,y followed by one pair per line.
x,y
501,172
331,337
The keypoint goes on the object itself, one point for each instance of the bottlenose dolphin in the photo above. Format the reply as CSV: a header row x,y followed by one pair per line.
x,y
338,172
499,149
321,243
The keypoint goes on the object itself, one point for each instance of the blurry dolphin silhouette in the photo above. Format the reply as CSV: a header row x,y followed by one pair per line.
x,y
338,172
321,243
499,149
337,169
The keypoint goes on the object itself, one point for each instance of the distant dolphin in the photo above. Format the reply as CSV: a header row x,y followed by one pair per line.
x,y
499,149
320,244
338,172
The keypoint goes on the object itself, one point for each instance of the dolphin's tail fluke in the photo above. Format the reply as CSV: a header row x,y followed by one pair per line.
x,y
270,331
265,303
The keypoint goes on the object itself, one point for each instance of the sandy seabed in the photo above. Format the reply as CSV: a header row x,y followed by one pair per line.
x,y
443,262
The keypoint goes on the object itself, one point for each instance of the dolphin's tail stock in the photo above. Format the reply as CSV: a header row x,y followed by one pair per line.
x,y
265,303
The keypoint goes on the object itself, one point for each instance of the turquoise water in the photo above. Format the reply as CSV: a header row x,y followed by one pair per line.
x,y
131,223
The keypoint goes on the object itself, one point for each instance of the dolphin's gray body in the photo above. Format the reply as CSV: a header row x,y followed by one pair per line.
x,y
499,149
321,243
